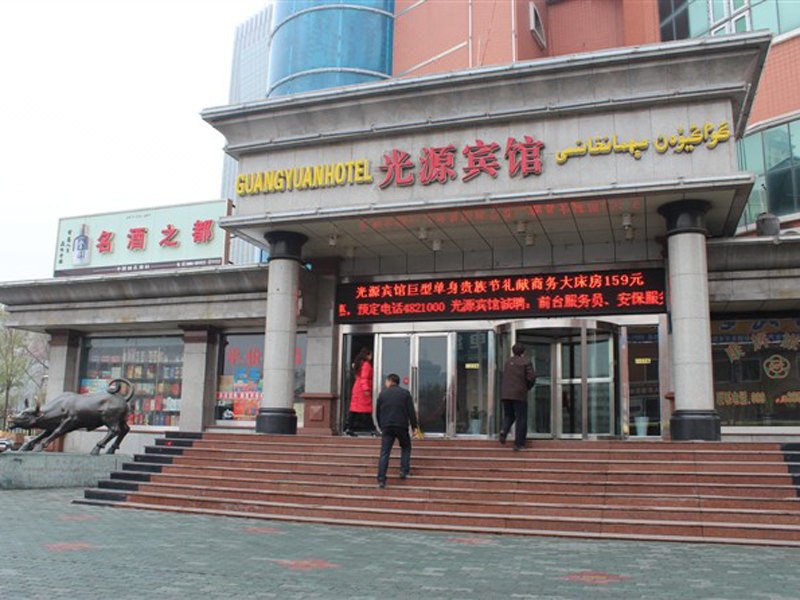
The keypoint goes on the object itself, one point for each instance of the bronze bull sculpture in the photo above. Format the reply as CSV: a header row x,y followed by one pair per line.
x,y
71,411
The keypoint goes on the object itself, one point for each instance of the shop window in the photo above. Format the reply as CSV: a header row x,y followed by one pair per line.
x,y
153,364
241,376
757,371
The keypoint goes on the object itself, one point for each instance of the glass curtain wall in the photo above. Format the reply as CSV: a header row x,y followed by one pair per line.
x,y
773,155
681,19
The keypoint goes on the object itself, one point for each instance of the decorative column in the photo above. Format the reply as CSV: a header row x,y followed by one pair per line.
x,y
276,413
694,417
64,359
197,391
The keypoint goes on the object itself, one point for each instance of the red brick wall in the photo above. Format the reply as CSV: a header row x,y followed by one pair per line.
x,y
779,89
570,25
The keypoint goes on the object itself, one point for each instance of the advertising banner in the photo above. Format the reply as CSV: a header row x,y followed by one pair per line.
x,y
529,295
186,235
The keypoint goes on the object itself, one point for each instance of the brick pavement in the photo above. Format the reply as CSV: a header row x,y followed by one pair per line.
x,y
52,549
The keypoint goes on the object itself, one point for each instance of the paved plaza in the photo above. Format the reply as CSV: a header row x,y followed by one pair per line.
x,y
50,548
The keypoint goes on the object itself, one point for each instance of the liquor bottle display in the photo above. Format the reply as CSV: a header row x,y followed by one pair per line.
x,y
154,365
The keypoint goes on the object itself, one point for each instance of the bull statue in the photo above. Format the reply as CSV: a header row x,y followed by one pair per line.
x,y
71,411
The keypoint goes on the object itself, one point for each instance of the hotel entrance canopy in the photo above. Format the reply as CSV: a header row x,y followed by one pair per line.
x,y
576,150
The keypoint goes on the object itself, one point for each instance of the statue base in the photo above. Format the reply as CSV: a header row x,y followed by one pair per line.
x,y
31,470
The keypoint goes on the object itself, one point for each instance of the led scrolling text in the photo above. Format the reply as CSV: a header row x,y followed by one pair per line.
x,y
622,291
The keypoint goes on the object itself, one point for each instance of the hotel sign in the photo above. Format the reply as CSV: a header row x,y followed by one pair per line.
x,y
530,295
480,158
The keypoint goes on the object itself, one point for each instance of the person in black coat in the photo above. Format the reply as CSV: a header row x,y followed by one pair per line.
x,y
395,413
518,378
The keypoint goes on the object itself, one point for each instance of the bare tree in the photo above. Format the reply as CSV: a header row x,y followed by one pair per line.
x,y
23,366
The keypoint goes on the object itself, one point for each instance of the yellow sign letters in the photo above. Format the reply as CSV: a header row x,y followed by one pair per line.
x,y
304,178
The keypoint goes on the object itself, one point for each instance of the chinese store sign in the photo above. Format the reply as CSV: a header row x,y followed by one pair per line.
x,y
515,157
166,237
540,295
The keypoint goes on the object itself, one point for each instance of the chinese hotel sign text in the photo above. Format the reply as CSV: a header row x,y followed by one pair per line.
x,y
556,294
165,237
517,156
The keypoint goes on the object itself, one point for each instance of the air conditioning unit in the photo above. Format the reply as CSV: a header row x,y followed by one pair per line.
x,y
536,25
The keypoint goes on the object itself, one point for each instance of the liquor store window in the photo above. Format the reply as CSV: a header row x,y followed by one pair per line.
x,y
153,364
756,371
241,377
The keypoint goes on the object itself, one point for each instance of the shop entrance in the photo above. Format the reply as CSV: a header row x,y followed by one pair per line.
x,y
447,374
576,389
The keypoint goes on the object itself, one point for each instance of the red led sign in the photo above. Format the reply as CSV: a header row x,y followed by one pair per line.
x,y
551,294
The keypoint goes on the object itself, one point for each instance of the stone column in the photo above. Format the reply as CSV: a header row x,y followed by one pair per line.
x,y
694,417
321,355
276,413
64,358
199,378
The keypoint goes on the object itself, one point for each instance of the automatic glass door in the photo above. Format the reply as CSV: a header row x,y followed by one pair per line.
x,y
575,392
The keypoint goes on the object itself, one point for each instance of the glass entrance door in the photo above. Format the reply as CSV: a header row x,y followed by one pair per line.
x,y
575,391
430,377
447,374
422,361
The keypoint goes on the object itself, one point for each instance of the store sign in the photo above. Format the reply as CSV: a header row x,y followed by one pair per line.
x,y
166,237
515,296
514,157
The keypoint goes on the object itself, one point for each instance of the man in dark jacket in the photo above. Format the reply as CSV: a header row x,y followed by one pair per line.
x,y
518,379
395,412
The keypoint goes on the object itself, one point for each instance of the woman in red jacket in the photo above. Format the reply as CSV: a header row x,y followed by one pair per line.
x,y
360,415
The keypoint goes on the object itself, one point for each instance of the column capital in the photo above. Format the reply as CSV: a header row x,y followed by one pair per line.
x,y
685,216
285,244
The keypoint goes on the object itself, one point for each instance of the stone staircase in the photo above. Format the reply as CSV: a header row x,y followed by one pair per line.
x,y
698,492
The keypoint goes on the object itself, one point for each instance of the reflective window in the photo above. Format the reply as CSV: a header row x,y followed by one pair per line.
x,y
472,372
695,18
643,378
153,364
336,43
241,376
788,15
773,155
756,378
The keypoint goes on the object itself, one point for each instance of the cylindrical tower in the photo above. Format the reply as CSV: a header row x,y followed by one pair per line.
x,y
319,44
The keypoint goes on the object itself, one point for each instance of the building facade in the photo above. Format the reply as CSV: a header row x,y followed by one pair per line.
x,y
249,76
588,206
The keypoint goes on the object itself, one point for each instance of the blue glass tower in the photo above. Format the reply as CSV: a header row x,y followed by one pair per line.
x,y
330,43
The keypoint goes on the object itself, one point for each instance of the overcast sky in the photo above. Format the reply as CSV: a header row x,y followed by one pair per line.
x,y
99,106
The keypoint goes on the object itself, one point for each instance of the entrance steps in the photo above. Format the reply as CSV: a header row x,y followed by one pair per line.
x,y
701,492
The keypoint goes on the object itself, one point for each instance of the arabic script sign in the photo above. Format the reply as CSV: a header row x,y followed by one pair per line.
x,y
709,134
515,296
517,156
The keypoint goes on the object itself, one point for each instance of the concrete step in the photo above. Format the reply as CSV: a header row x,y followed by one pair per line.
x,y
531,472
630,450
325,476
499,458
394,498
594,524
693,491
587,446
451,528
413,489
